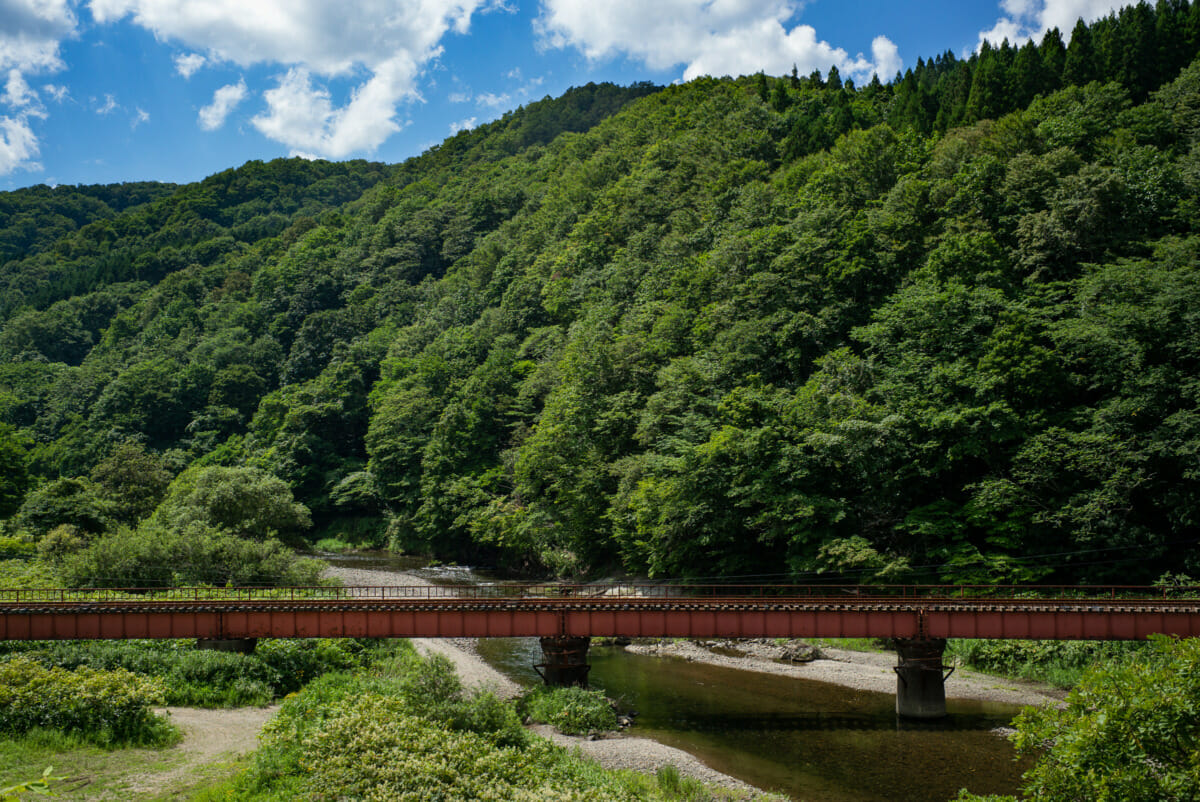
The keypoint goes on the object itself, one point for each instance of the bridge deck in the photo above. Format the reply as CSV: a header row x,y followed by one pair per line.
x,y
626,611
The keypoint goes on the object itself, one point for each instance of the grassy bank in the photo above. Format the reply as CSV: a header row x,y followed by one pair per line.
x,y
193,677
1059,663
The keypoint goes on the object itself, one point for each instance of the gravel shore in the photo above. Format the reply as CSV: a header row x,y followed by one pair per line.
x,y
864,671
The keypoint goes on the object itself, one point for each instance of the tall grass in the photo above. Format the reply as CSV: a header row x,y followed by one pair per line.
x,y
206,678
1059,663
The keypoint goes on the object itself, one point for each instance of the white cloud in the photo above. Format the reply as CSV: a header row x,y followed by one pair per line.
x,y
886,56
140,116
709,37
1029,19
493,101
463,125
186,64
110,105
18,146
459,97
59,93
224,101
17,92
30,33
391,40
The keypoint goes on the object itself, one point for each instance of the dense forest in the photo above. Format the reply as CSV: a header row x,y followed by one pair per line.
x,y
943,328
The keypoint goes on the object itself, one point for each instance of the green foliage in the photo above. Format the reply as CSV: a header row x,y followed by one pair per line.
x,y
573,711
39,786
14,471
405,730
134,479
247,502
1129,731
207,677
78,503
939,329
154,555
105,706
1061,663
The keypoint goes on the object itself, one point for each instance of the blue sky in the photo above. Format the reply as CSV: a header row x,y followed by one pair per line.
x,y
103,91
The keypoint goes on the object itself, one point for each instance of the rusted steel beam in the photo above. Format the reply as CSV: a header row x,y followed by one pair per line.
x,y
44,619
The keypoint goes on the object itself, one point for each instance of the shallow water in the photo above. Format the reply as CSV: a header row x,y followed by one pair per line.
x,y
810,740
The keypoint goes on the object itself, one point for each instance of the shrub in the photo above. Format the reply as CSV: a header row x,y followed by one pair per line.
x,y
103,706
375,746
202,677
1130,731
572,711
247,501
196,554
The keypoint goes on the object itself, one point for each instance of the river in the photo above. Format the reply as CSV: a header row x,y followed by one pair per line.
x,y
810,740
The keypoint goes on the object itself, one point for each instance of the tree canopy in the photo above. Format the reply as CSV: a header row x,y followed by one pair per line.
x,y
942,328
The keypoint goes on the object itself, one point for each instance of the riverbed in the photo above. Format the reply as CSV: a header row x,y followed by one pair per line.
x,y
776,728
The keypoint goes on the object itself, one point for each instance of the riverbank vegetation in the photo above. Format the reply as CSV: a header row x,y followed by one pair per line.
x,y
187,676
1128,731
105,707
571,711
934,329
1060,663
405,727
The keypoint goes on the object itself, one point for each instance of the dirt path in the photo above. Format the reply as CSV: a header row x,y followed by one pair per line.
x,y
211,739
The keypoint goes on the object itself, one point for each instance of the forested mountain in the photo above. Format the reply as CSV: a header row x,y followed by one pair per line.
x,y
944,328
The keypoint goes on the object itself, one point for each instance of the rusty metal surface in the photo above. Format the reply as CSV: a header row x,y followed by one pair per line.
x,y
1110,613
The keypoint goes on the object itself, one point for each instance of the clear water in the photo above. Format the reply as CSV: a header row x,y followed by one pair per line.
x,y
810,740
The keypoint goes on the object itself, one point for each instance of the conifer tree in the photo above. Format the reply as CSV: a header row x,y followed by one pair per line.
x,y
1079,66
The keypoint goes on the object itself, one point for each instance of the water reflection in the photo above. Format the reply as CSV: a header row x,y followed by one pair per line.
x,y
810,740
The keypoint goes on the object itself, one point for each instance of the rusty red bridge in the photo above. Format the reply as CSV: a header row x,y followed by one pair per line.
x,y
918,618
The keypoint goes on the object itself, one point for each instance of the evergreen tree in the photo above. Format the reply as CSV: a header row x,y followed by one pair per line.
x,y
1054,58
1079,66
990,91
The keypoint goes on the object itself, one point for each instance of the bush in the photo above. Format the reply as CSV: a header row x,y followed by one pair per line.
x,y
197,554
104,706
1129,732
247,501
376,747
203,677
573,711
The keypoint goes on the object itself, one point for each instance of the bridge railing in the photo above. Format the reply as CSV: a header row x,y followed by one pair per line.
x,y
614,592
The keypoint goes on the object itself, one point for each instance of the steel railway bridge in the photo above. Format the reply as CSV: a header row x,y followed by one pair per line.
x,y
918,619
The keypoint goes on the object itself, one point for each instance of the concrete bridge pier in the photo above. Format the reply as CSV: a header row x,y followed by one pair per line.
x,y
921,678
564,661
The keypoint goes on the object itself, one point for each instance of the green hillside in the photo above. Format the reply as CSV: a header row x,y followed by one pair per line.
x,y
941,329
